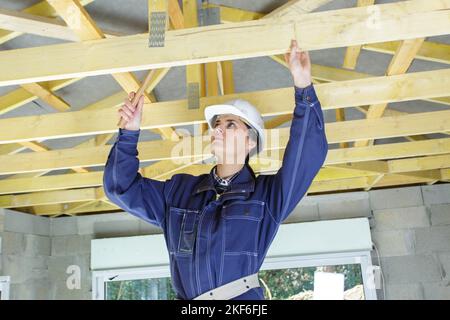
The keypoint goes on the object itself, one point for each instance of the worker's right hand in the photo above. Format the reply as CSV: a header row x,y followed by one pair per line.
x,y
132,114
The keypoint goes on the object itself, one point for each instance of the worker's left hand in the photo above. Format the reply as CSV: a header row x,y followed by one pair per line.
x,y
299,64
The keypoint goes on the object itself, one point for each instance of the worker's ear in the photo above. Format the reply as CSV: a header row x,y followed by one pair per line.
x,y
251,143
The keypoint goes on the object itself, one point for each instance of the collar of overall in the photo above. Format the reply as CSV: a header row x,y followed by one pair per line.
x,y
221,183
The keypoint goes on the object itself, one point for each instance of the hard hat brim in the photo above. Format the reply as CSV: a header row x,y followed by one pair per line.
x,y
220,109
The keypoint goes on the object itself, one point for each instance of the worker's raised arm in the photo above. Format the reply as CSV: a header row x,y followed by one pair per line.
x,y
307,147
122,183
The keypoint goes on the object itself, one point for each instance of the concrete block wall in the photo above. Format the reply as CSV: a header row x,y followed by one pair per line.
x,y
26,244
71,245
410,227
37,251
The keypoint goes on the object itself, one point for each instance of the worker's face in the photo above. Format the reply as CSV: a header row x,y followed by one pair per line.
x,y
230,141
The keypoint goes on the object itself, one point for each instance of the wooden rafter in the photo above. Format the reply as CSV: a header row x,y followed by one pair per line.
x,y
399,64
86,29
330,172
352,53
363,166
417,123
333,95
404,20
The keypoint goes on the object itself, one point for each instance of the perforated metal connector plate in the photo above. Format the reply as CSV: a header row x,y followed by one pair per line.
x,y
157,32
193,91
208,16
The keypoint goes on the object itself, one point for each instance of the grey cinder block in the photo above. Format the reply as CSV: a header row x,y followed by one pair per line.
x,y
407,291
13,243
410,269
21,268
436,194
37,245
60,291
344,209
302,213
2,219
64,226
401,218
436,291
444,259
440,214
71,245
395,198
87,224
394,242
146,228
19,222
120,228
434,238
58,266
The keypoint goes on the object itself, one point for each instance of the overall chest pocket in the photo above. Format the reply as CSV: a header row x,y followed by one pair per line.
x,y
241,224
182,229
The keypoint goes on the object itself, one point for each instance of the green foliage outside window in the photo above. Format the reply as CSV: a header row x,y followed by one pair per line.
x,y
278,284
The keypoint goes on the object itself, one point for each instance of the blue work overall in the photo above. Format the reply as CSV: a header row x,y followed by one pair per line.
x,y
214,240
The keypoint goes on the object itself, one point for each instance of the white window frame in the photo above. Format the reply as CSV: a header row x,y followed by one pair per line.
x,y
330,259
4,287
100,278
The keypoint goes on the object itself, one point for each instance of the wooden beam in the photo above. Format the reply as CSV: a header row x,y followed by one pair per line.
x,y
194,72
39,147
350,60
277,121
47,96
326,174
295,7
445,174
21,22
399,64
77,18
430,51
57,209
88,196
352,53
388,151
330,74
340,116
51,183
27,23
404,20
376,166
363,183
419,163
175,14
75,13
230,14
19,97
41,8
405,87
84,26
47,197
417,123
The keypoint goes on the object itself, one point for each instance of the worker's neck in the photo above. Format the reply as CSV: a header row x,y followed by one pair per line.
x,y
227,170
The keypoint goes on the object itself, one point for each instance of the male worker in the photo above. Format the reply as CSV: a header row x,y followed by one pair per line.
x,y
219,226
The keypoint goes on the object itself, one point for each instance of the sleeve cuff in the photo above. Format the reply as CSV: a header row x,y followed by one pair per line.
x,y
307,94
130,136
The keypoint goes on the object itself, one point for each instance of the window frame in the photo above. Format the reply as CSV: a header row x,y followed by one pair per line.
x,y
4,287
101,277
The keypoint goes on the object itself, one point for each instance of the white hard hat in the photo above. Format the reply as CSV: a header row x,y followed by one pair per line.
x,y
242,109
